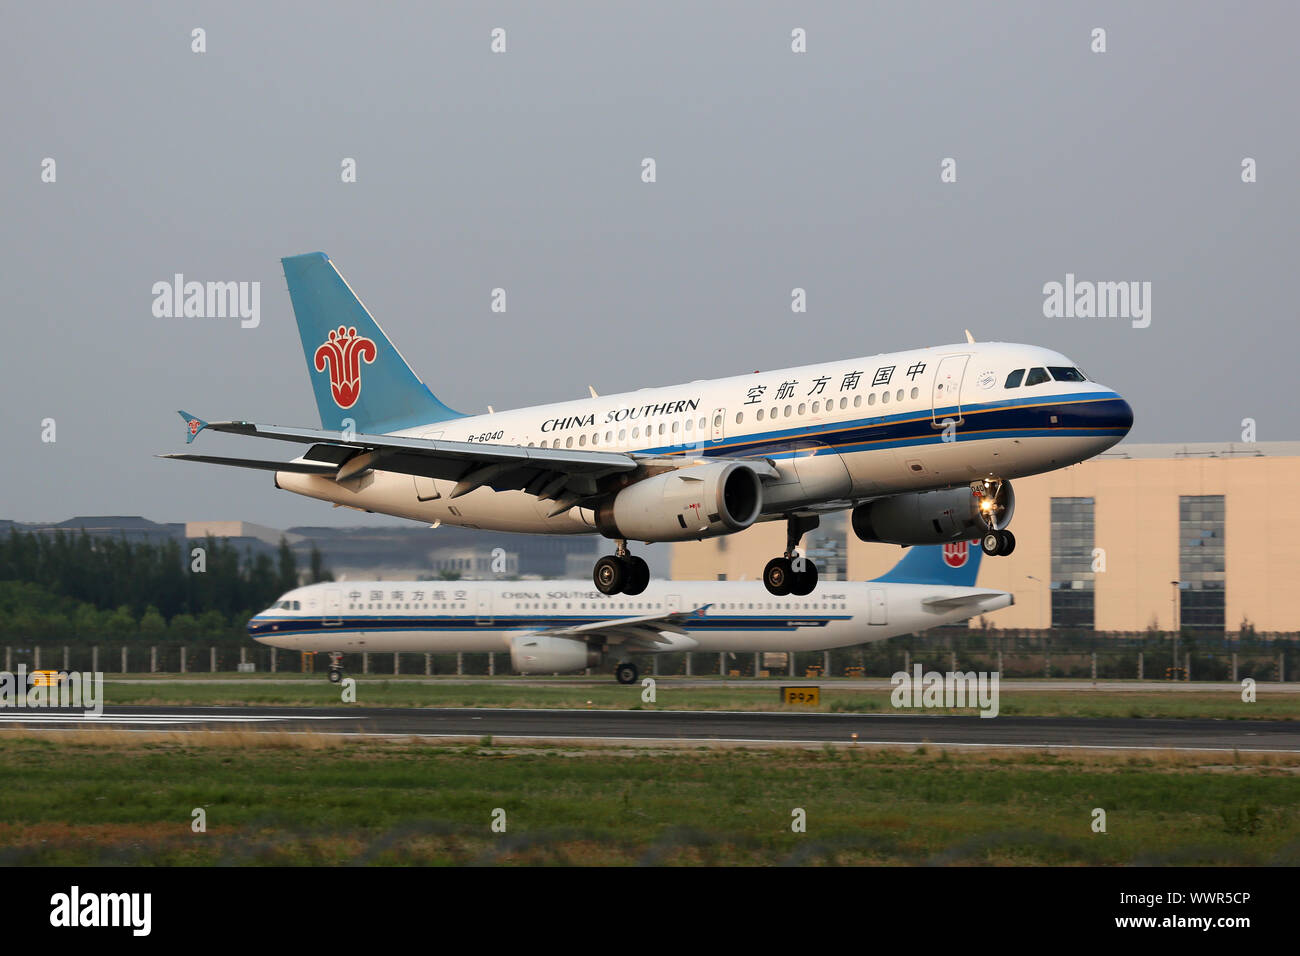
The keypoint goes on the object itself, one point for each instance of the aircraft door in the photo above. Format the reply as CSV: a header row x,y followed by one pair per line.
x,y
483,607
719,423
333,606
673,604
879,612
947,388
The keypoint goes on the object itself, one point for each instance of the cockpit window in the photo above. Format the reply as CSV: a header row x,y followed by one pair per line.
x,y
1036,376
1066,374
1013,380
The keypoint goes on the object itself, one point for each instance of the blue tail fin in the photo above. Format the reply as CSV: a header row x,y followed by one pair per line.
x,y
956,563
355,371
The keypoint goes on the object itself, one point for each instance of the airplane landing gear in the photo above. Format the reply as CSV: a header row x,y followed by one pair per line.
x,y
997,504
998,542
336,667
621,572
626,672
792,573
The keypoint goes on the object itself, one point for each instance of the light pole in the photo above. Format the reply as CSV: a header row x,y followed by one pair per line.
x,y
1038,600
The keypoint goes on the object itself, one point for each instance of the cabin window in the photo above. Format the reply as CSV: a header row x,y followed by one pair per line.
x,y
568,442
636,432
802,408
815,406
884,398
871,399
1036,376
899,396
675,427
857,401
1013,380
690,424
787,411
773,413
582,439
740,417
844,403
915,392
622,433
759,415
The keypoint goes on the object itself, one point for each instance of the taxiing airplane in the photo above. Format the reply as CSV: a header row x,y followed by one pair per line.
x,y
565,626
922,445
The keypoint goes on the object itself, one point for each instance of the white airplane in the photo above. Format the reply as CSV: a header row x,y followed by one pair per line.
x,y
564,626
921,444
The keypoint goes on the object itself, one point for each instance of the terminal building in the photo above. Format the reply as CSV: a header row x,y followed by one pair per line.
x,y
1197,536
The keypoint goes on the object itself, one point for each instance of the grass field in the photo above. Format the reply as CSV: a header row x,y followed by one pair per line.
x,y
380,692
106,797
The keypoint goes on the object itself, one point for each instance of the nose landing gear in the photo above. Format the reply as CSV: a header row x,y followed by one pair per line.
x,y
336,666
996,506
998,542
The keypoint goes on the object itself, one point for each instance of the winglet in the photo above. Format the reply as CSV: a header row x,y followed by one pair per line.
x,y
193,425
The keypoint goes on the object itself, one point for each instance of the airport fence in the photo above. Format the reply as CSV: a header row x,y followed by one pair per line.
x,y
1073,655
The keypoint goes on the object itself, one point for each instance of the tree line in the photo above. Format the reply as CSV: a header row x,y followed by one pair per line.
x,y
77,586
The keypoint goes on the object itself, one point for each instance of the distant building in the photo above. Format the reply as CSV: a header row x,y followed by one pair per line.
x,y
477,563
1198,536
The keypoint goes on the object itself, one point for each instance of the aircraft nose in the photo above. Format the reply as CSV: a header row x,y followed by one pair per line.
x,y
257,627
1122,415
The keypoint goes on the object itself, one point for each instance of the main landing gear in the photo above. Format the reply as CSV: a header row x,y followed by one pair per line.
x,y
792,573
336,667
626,672
621,572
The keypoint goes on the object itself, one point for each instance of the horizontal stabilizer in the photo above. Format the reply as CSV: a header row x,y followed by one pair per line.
x,y
301,467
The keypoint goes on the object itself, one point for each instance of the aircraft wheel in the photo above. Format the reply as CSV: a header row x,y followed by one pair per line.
x,y
1008,542
610,575
638,576
803,582
626,673
778,576
991,542
335,676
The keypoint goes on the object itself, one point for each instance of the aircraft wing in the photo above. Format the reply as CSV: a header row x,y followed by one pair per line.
x,y
952,603
564,474
647,629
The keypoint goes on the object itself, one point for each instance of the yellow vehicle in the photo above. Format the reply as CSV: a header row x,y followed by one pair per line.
x,y
46,678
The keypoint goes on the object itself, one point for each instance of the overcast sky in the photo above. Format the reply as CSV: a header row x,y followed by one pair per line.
x,y
522,170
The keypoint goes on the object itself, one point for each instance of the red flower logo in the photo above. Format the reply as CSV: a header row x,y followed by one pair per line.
x,y
342,355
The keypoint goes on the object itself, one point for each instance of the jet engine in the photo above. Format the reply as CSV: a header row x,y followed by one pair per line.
x,y
540,654
702,501
932,517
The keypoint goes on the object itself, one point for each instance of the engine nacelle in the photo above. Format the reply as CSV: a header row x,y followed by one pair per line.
x,y
540,654
932,517
702,501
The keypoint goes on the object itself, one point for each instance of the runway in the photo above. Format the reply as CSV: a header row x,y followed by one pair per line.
x,y
683,727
